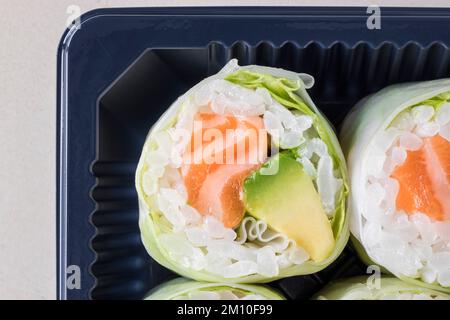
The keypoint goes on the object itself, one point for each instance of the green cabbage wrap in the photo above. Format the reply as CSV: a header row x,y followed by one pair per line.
x,y
362,288
184,289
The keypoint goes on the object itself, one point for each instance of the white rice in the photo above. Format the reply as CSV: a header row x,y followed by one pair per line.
x,y
202,242
410,245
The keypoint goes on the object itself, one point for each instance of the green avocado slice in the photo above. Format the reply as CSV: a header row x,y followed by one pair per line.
x,y
283,195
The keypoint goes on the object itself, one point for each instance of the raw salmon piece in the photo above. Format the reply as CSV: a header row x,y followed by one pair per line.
x,y
220,194
209,121
215,182
194,172
424,180
437,150
441,148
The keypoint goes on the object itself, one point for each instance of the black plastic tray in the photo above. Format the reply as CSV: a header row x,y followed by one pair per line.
x,y
122,68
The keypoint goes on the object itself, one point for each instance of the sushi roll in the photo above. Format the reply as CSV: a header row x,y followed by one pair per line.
x,y
243,180
389,288
397,145
184,289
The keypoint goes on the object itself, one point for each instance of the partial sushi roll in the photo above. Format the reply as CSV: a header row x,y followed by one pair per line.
x,y
243,180
397,144
360,288
184,289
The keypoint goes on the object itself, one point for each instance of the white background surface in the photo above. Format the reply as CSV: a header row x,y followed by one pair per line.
x,y
29,34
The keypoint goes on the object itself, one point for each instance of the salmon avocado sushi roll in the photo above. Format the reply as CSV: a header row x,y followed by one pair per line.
x,y
397,144
243,180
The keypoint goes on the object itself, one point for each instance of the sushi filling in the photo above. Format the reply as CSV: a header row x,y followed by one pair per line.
x,y
406,225
196,230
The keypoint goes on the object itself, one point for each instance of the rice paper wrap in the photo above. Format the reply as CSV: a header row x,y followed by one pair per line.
x,y
365,123
184,289
388,288
151,228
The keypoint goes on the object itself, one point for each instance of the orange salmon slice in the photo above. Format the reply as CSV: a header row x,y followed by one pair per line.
x,y
424,180
215,172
